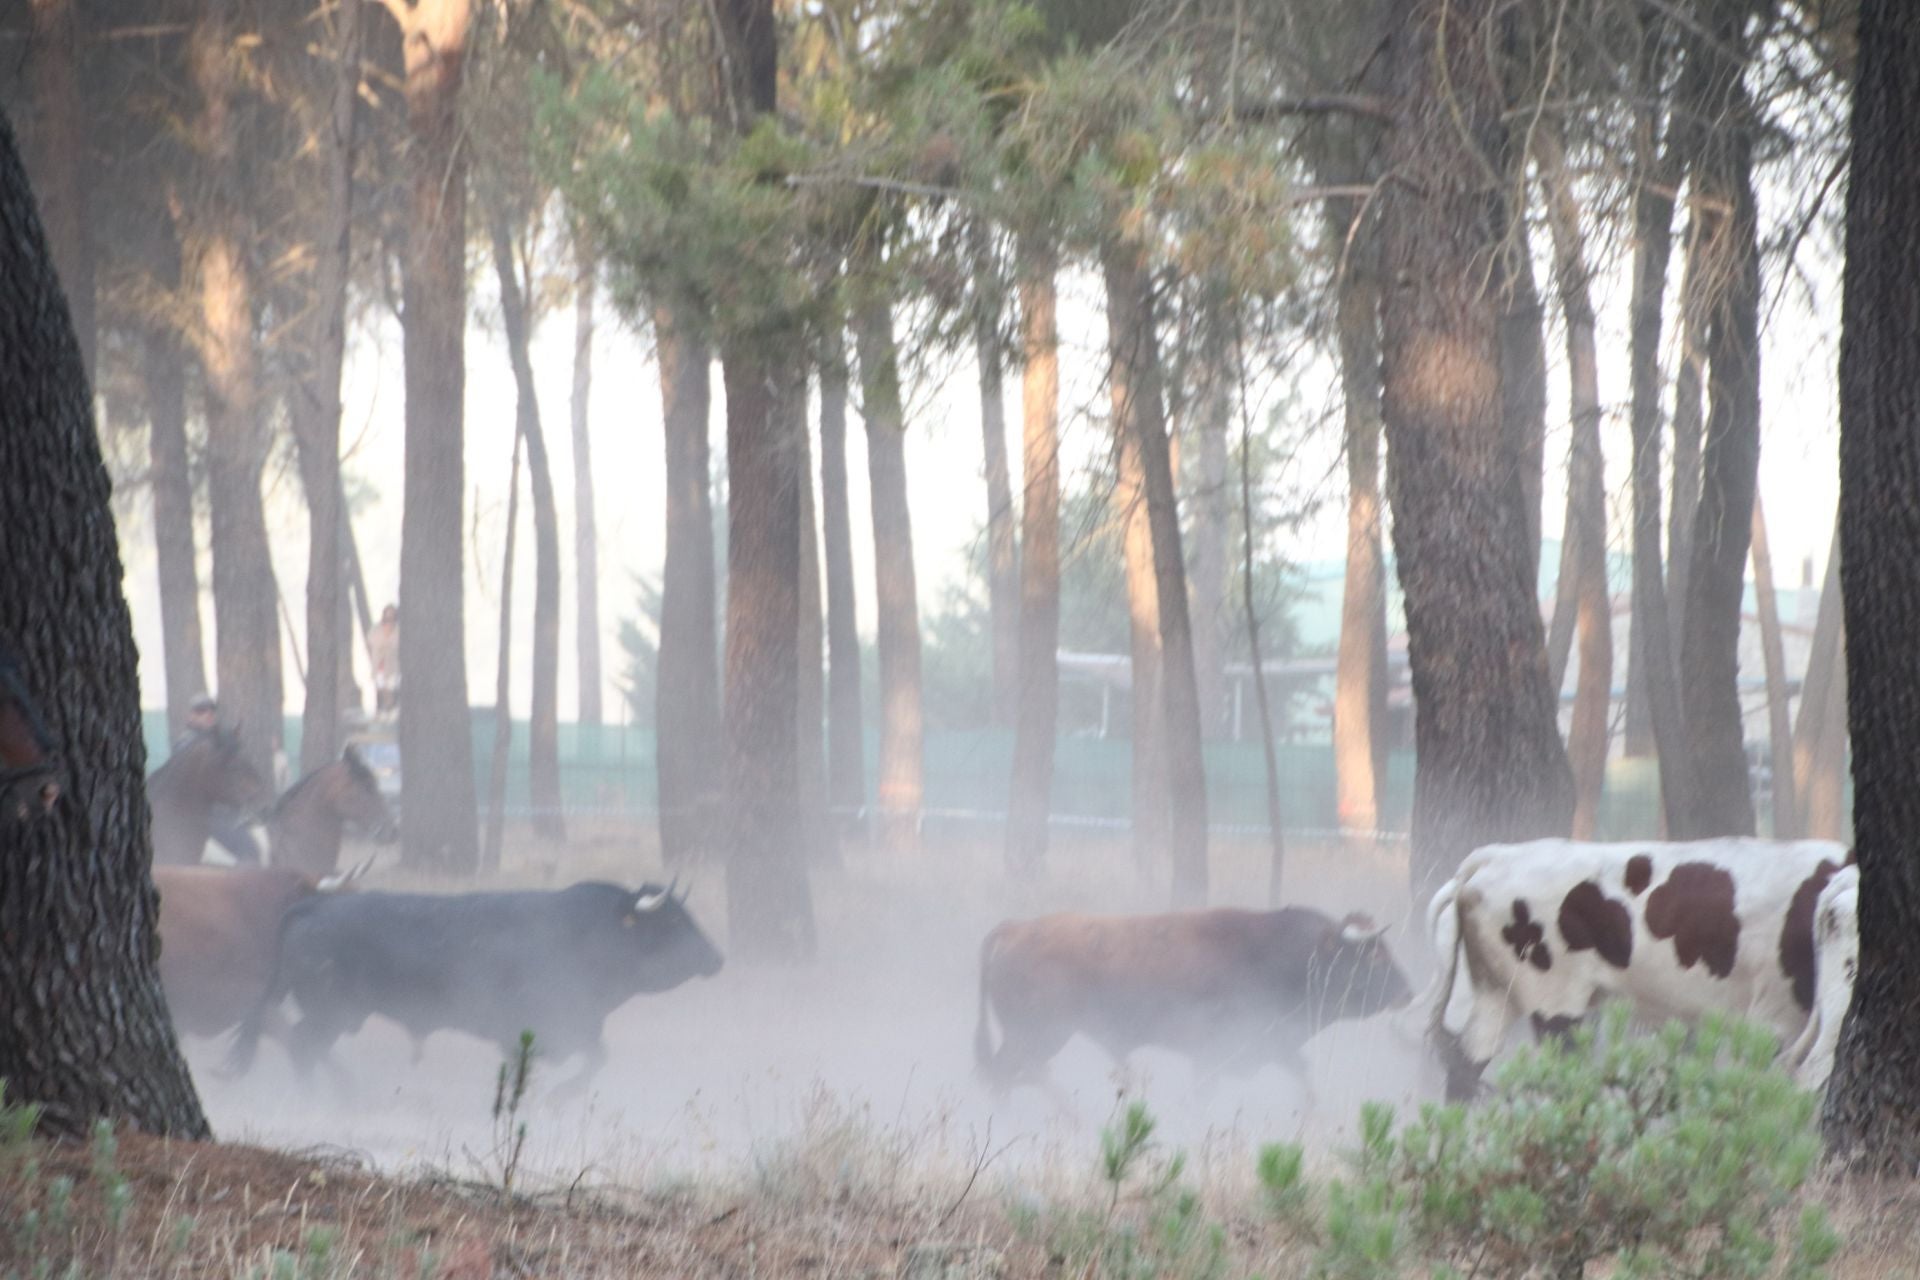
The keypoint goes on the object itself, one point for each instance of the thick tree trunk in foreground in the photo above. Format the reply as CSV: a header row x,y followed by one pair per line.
x,y
1152,811
1030,793
543,723
1360,670
1730,462
1820,730
164,365
1653,657
497,763
687,694
58,159
436,736
769,901
86,1035
1003,552
1786,812
1490,764
245,596
316,404
896,595
846,748
586,538
1873,1097
1584,557
1140,405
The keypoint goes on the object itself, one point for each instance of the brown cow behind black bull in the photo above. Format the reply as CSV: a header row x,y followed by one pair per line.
x,y
1232,990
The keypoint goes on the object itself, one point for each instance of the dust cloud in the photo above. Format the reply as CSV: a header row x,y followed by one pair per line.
x,y
870,1045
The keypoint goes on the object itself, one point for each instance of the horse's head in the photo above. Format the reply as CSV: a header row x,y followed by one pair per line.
x,y
356,797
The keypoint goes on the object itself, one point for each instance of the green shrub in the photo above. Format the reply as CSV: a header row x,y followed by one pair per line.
x,y
1674,1154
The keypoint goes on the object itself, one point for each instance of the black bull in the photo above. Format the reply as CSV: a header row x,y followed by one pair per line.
x,y
489,964
1232,990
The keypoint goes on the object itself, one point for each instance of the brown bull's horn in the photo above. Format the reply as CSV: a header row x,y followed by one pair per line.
x,y
645,901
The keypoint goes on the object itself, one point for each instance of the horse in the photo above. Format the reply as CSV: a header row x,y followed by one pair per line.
x,y
29,776
305,824
208,769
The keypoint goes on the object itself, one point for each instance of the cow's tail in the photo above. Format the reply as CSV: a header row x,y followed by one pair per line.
x,y
983,1053
1443,932
246,1037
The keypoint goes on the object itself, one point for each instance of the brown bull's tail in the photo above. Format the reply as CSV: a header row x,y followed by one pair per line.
x,y
983,1054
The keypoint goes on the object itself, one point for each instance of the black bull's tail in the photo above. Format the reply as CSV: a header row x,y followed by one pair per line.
x,y
983,1053
246,1037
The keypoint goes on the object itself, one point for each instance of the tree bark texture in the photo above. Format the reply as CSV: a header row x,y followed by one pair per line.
x,y
1523,386
1584,551
1140,410
543,723
219,263
1030,791
1152,807
687,697
436,738
172,480
316,402
1360,674
58,160
846,747
1003,552
86,1034
1873,1097
1730,463
1689,424
586,538
1489,761
1820,729
769,901
1210,502
1786,815
896,595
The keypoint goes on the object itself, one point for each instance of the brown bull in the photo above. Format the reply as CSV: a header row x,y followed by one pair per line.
x,y
219,934
1231,990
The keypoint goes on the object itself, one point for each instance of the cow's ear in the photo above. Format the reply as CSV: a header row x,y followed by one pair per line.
x,y
650,899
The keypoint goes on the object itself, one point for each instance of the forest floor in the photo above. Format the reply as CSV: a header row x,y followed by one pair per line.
x,y
820,1121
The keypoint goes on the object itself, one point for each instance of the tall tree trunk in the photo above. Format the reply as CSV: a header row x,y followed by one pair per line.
x,y
816,828
316,403
687,697
503,680
1873,1097
1489,761
86,1035
1030,792
896,595
1210,502
166,386
1003,552
1786,815
543,724
1360,675
58,159
1688,420
1523,388
846,749
586,539
246,621
769,902
1730,461
1141,410
1584,556
1820,731
436,736
1655,173
1152,808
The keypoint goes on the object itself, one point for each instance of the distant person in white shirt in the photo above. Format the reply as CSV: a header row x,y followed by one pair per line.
x,y
384,646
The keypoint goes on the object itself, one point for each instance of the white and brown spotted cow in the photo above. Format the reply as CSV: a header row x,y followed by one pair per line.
x,y
1549,929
